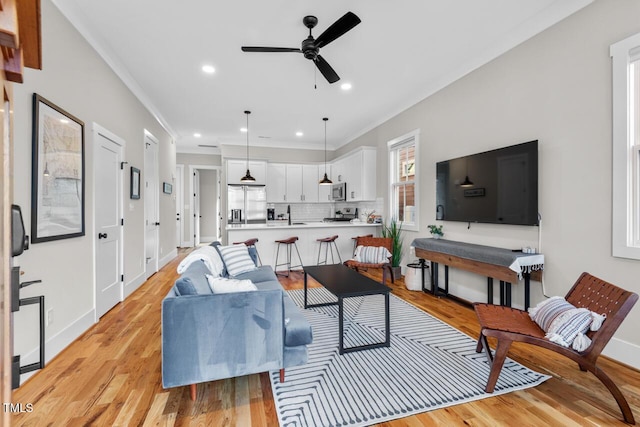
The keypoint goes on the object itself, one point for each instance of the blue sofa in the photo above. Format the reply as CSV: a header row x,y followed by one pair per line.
x,y
208,336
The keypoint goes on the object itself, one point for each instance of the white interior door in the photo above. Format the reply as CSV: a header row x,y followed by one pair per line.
x,y
108,219
196,207
151,204
179,204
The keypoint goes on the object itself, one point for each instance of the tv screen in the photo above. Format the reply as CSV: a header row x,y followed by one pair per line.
x,y
496,187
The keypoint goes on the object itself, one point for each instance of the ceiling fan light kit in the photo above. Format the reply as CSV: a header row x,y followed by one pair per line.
x,y
310,47
247,177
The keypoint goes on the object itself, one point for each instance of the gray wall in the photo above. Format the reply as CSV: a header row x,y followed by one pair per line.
x,y
76,79
556,88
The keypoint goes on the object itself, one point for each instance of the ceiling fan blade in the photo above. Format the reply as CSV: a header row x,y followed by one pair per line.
x,y
337,29
269,49
326,69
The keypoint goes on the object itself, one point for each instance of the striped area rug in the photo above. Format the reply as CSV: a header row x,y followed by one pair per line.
x,y
430,365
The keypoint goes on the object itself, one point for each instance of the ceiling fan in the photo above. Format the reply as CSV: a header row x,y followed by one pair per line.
x,y
311,47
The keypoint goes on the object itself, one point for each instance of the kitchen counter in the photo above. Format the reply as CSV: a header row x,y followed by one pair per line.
x,y
308,234
299,224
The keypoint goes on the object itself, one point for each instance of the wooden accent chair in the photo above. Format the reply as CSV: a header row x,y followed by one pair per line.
x,y
386,242
508,325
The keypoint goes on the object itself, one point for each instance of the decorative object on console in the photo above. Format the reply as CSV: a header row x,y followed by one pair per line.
x,y
247,177
325,180
436,231
57,192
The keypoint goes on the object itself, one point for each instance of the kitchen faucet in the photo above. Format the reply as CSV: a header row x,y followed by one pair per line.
x,y
289,213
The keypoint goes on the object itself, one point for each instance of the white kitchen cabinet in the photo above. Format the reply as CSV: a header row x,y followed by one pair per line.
x,y
294,184
236,169
302,183
276,183
358,170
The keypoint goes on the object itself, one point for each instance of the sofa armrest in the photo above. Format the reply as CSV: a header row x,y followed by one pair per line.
x,y
215,336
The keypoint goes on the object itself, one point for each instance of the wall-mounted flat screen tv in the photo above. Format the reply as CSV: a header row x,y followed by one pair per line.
x,y
497,187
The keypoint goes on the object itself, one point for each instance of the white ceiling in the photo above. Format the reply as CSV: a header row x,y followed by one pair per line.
x,y
402,52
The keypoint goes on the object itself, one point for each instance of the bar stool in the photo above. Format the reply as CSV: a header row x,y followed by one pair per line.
x,y
291,241
328,241
251,243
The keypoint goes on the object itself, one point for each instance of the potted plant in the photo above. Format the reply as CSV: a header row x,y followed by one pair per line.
x,y
394,230
436,231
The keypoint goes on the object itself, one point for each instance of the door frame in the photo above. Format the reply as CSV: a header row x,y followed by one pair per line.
x,y
180,203
96,130
192,168
148,135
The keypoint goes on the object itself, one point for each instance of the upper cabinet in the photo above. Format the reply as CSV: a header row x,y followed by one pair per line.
x,y
276,182
358,170
236,169
301,183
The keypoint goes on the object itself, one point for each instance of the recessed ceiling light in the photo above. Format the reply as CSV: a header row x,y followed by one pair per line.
x,y
209,69
345,86
243,129
299,133
197,135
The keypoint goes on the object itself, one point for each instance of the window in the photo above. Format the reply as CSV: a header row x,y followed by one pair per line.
x,y
403,180
626,147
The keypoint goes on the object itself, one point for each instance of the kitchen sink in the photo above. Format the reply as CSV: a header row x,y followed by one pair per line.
x,y
298,223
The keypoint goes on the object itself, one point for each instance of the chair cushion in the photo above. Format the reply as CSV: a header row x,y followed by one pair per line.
x,y
223,285
372,254
194,280
236,259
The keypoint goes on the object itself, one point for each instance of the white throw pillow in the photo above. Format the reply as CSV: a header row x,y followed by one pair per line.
x,y
222,285
237,259
372,254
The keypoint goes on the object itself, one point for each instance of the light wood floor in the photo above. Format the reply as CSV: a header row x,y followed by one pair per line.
x,y
111,376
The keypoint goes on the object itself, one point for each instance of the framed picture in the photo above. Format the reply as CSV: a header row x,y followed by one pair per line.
x,y
57,173
167,188
134,191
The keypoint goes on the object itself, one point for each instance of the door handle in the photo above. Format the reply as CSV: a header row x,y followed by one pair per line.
x,y
102,235
156,223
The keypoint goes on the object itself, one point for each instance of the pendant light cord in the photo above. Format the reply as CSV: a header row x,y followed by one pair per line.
x,y
247,113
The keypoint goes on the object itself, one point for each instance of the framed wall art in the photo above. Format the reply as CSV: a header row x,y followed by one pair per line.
x,y
167,188
134,191
57,180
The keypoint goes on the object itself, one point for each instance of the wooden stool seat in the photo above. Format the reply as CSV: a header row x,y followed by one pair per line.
x,y
288,241
328,239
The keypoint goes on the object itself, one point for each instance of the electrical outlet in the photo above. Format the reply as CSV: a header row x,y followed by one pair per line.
x,y
49,316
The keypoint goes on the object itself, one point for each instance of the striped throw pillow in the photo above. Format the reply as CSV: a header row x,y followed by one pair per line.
x,y
236,259
372,254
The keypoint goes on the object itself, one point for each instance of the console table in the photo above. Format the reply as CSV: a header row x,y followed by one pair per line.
x,y
503,264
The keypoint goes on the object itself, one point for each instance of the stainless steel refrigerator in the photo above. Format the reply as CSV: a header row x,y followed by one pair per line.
x,y
251,200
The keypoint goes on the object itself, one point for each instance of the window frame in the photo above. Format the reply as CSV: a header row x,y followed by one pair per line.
x,y
626,164
393,146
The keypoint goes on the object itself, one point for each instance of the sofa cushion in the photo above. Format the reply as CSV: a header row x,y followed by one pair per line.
x,y
236,259
297,329
223,285
263,273
194,280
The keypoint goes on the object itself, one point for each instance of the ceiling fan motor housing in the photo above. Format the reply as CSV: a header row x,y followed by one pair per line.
x,y
309,49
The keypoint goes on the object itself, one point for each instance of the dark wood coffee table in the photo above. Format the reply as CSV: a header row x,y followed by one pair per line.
x,y
344,282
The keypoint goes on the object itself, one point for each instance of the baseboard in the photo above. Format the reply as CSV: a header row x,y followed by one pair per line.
x,y
58,342
623,352
134,284
168,258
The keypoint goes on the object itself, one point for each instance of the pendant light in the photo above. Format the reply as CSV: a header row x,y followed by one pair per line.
x,y
467,182
247,177
325,180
